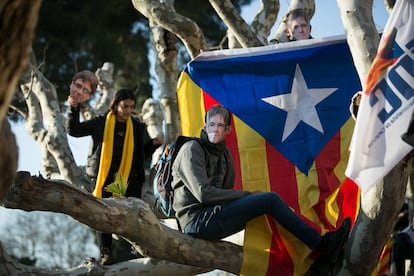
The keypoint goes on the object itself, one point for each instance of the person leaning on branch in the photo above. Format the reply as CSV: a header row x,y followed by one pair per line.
x,y
207,207
120,144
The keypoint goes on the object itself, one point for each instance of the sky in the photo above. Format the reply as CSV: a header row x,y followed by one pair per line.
x,y
325,23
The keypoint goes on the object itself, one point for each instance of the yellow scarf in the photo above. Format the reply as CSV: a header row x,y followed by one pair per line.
x,y
106,153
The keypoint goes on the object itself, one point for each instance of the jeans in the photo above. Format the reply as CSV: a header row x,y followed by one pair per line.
x,y
215,222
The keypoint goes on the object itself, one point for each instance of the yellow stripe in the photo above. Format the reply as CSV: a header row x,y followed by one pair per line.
x,y
253,158
255,176
308,193
191,106
257,239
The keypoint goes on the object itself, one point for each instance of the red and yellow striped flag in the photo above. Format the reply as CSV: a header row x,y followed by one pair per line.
x,y
290,134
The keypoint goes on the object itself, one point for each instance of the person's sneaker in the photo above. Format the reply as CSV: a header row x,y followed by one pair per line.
x,y
330,248
106,257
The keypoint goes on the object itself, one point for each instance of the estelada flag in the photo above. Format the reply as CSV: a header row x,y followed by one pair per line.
x,y
386,103
291,131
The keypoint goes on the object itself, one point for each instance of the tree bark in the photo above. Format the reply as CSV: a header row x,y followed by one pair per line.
x,y
8,160
164,44
380,205
130,218
236,24
18,20
361,33
161,13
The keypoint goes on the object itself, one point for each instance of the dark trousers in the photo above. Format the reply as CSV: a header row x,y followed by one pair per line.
x,y
403,249
219,221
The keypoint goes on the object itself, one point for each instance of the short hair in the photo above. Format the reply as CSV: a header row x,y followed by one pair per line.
x,y
218,109
87,75
121,95
293,14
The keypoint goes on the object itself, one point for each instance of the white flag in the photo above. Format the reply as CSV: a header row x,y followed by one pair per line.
x,y
387,102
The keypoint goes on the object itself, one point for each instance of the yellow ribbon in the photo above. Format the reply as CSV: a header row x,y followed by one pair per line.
x,y
106,153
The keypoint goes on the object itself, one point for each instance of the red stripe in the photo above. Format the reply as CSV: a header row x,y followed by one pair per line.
x,y
350,197
279,259
231,141
325,164
282,176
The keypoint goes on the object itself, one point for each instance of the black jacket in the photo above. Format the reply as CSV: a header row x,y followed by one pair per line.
x,y
143,149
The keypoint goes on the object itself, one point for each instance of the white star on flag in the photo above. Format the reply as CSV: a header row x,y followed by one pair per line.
x,y
300,104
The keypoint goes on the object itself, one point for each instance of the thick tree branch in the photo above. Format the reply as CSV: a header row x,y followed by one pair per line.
x,y
264,19
127,217
236,24
163,14
362,35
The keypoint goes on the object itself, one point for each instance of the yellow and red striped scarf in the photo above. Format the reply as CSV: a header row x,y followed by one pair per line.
x,y
106,153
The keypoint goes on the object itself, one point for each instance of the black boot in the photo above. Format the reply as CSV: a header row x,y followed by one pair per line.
x,y
408,137
331,249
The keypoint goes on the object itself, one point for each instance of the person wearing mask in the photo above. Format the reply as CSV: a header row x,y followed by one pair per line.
x,y
298,25
120,146
207,207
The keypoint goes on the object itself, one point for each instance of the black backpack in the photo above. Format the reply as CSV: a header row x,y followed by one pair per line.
x,y
163,191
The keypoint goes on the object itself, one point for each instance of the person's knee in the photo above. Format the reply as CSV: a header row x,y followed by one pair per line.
x,y
271,199
274,197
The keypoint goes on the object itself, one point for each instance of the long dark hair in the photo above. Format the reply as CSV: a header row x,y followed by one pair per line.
x,y
121,95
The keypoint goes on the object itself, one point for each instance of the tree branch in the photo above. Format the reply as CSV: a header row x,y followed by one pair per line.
x,y
127,217
162,13
236,24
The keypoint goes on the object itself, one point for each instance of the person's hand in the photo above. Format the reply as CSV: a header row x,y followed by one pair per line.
x,y
79,92
73,101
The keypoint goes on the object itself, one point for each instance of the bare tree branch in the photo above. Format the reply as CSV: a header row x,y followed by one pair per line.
x,y
236,24
130,218
163,14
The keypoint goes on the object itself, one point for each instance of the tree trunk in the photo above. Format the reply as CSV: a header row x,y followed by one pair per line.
x,y
18,21
380,204
362,35
8,160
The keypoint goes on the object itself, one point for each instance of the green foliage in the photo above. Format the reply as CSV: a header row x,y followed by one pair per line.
x,y
73,36
119,186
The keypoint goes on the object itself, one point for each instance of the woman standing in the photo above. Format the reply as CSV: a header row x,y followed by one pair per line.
x,y
120,146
